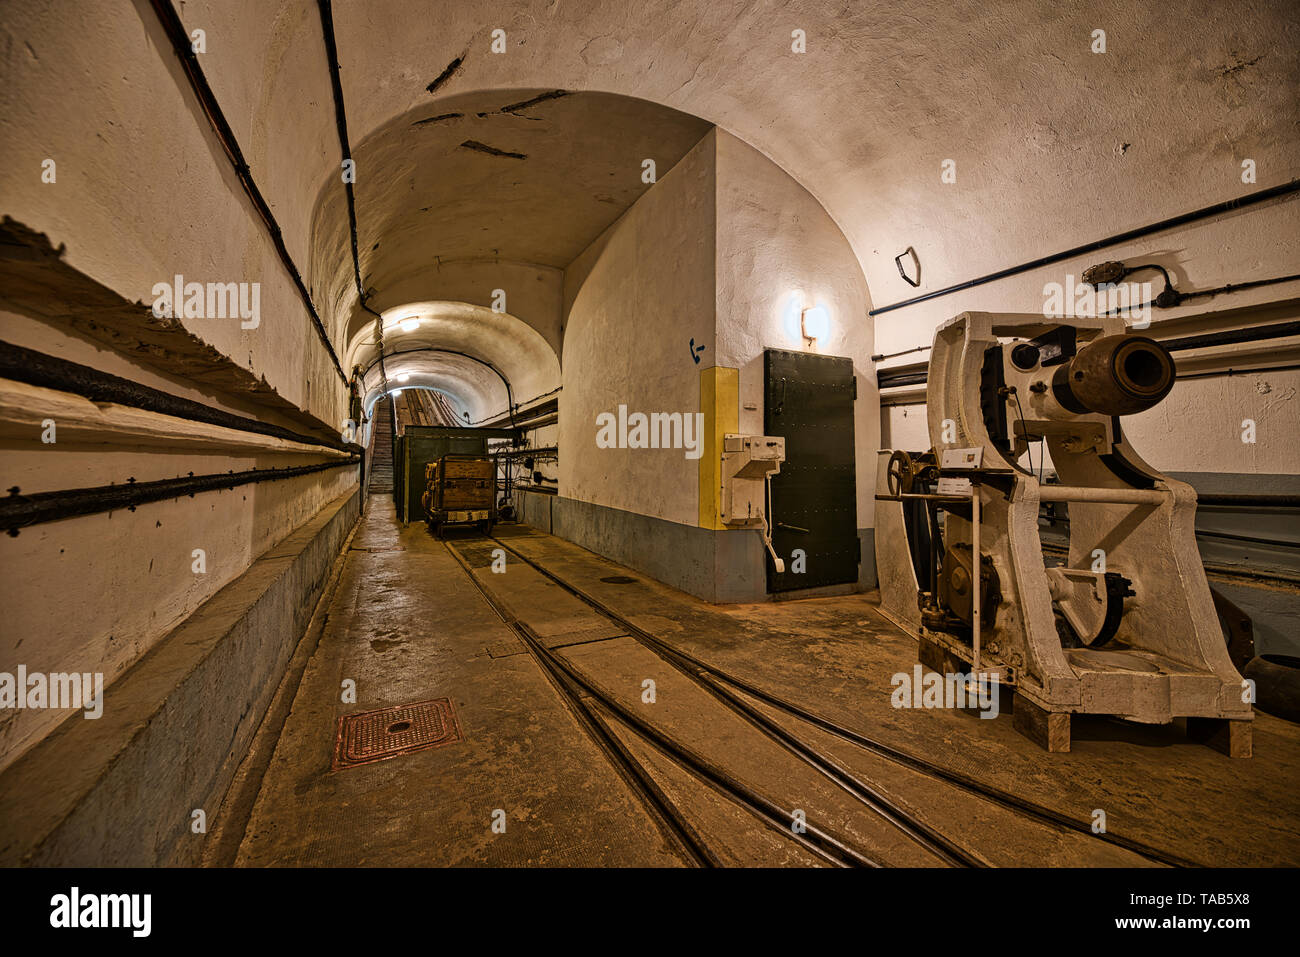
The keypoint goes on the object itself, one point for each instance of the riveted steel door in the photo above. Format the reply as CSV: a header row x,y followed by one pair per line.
x,y
808,399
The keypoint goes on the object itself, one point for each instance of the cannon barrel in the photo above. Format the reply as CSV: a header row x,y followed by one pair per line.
x,y
1115,375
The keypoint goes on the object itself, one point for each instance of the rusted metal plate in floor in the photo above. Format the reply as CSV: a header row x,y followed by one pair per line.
x,y
370,736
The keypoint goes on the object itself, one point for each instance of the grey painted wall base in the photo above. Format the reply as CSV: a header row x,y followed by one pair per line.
x,y
718,566
534,508
1273,608
867,578
1274,614
119,790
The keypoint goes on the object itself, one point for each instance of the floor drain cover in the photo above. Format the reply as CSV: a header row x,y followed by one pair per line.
x,y
391,732
619,580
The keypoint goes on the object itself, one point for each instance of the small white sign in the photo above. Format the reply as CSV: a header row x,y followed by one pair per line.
x,y
954,486
962,458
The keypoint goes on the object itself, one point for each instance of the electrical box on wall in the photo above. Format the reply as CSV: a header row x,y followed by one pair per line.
x,y
747,462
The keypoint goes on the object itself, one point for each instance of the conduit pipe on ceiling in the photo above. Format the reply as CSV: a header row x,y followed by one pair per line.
x,y
510,400
181,46
341,123
1249,199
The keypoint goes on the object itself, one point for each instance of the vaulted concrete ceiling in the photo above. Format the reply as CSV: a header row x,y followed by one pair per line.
x,y
1049,137
1054,144
526,176
470,386
465,350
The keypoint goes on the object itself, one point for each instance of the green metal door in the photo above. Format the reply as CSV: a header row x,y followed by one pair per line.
x,y
808,399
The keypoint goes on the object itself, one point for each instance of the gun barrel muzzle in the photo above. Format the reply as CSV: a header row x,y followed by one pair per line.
x,y
1115,375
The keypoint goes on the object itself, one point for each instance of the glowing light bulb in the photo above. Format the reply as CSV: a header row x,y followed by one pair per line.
x,y
816,322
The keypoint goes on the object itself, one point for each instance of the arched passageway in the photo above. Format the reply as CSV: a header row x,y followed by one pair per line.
x,y
624,246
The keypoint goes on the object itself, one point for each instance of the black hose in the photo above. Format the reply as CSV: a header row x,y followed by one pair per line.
x,y
21,511
20,364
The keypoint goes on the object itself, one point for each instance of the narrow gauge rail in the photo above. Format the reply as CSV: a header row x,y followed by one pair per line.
x,y
916,830
716,680
593,706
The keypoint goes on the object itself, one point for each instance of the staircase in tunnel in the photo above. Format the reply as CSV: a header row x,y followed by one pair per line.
x,y
423,407
411,407
381,448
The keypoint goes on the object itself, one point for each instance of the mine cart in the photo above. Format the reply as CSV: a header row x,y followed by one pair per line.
x,y
460,490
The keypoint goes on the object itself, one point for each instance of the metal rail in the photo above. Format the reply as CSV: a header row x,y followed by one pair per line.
x,y
664,812
917,830
991,793
573,685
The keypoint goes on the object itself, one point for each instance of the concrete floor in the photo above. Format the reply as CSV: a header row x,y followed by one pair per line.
x,y
407,623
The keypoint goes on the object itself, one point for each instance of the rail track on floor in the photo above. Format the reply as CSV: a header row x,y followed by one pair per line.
x,y
594,707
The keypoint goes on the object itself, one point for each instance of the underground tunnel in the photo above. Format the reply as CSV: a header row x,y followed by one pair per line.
x,y
678,435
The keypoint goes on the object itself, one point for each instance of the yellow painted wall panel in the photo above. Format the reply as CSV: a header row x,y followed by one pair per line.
x,y
720,403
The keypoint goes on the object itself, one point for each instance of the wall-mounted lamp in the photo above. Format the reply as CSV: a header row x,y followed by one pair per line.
x,y
815,322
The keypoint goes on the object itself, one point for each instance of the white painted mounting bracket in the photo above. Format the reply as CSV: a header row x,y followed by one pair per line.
x,y
747,462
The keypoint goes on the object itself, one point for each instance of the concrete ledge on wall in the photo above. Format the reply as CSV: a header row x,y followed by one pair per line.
x,y
1251,554
120,790
1246,483
534,509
